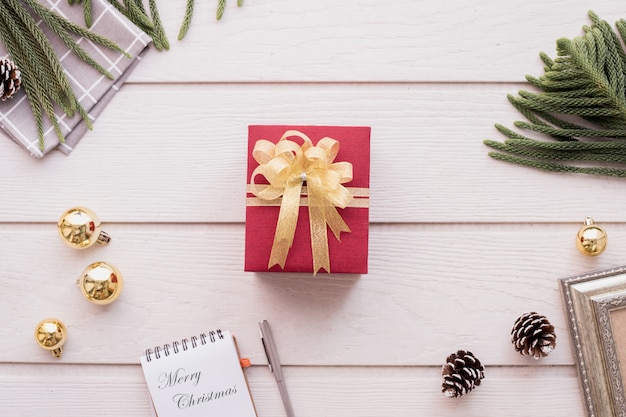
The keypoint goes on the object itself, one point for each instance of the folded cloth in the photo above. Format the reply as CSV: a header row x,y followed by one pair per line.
x,y
93,90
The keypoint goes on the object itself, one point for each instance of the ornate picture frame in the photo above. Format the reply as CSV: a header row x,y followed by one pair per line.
x,y
595,304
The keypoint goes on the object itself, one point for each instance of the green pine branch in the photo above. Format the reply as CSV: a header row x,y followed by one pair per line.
x,y
150,23
184,28
87,10
135,11
43,78
158,35
221,5
579,107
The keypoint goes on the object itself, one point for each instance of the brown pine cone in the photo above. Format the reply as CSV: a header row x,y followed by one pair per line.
x,y
10,78
461,374
533,335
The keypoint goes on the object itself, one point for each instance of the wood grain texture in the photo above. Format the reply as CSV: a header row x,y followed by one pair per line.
x,y
178,154
460,244
430,290
367,40
328,391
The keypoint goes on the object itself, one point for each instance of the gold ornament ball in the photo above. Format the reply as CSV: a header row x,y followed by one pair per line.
x,y
101,283
51,334
591,239
80,228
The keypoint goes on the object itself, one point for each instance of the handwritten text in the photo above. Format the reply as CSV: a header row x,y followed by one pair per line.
x,y
177,377
184,401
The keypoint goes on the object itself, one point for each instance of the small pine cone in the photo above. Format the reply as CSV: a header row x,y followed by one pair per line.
x,y
533,335
461,374
10,78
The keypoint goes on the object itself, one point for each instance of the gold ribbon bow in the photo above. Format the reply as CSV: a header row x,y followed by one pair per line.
x,y
287,165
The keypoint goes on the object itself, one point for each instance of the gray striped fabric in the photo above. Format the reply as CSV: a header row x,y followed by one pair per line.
x,y
93,90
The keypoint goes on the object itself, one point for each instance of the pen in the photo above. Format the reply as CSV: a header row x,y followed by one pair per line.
x,y
274,364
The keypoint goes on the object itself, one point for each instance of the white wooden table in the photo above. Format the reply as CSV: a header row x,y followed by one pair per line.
x,y
460,244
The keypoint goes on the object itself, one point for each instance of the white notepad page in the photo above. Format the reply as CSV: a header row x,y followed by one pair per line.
x,y
203,380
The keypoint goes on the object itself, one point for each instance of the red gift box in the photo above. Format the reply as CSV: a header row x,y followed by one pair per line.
x,y
352,146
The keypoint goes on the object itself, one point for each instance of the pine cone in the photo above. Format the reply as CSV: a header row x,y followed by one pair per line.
x,y
533,335
461,374
10,78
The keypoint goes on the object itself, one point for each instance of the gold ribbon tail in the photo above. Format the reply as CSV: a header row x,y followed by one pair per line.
x,y
286,225
319,239
320,217
336,222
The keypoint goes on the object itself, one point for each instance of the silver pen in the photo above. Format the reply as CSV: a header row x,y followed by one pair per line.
x,y
274,364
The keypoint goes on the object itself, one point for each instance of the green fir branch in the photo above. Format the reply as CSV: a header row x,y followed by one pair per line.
x,y
38,47
134,10
135,14
184,27
579,107
61,25
70,43
88,13
40,90
159,31
33,91
140,5
540,118
86,10
221,5
573,133
600,147
614,158
556,167
49,85
44,80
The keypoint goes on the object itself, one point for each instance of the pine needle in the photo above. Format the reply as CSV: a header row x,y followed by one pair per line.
x,y
187,20
71,44
59,24
556,167
184,27
37,45
88,13
44,79
135,11
580,107
136,14
159,31
140,5
221,5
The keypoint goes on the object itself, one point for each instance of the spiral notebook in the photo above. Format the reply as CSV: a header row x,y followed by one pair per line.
x,y
198,377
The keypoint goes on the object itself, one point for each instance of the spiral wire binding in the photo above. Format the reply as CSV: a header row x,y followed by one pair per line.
x,y
183,344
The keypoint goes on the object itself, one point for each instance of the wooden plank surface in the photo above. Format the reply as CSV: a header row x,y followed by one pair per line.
x,y
154,157
460,244
367,41
328,391
431,289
